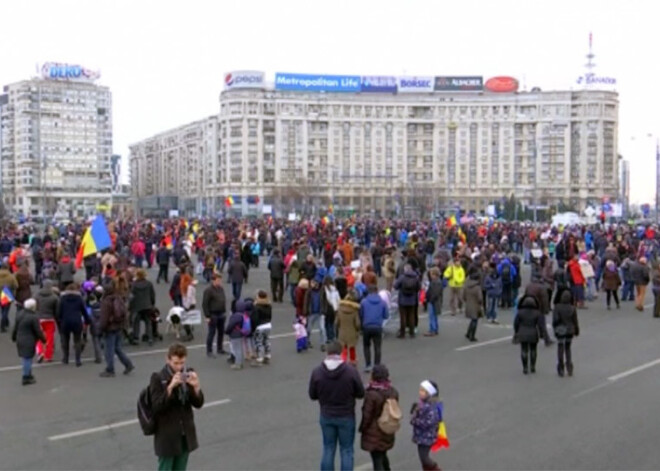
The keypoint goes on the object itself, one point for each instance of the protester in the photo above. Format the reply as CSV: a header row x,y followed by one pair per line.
x,y
374,441
336,385
473,299
425,420
174,391
113,317
47,309
276,267
434,296
641,276
70,317
373,314
26,333
262,325
529,327
565,325
455,274
214,306
408,285
611,283
348,326
142,305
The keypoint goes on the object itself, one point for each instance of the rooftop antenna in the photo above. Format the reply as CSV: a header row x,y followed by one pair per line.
x,y
590,65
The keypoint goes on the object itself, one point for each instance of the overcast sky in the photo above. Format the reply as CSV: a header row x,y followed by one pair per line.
x,y
164,60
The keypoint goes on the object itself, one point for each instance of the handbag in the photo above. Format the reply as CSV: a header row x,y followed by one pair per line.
x,y
561,330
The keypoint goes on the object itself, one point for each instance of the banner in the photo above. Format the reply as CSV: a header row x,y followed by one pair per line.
x,y
459,84
317,83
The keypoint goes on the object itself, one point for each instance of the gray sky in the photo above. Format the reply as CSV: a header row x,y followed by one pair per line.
x,y
165,60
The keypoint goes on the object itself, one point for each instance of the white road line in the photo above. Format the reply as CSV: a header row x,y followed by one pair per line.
x,y
483,344
116,425
632,371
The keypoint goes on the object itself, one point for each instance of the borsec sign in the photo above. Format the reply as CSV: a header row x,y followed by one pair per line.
x,y
244,79
415,84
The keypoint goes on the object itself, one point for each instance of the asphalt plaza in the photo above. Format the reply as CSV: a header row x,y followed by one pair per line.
x,y
261,418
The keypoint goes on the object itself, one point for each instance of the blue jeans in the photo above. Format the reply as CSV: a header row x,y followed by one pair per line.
x,y
292,290
492,304
4,321
27,366
335,429
433,319
320,320
236,289
628,292
112,347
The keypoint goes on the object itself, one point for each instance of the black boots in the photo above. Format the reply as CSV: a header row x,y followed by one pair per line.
x,y
569,369
560,370
525,360
472,330
28,380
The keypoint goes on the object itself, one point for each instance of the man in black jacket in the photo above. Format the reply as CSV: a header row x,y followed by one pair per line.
x,y
174,391
276,267
336,385
163,261
214,307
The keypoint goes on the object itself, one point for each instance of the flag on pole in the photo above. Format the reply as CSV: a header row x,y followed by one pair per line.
x,y
6,297
229,201
451,222
95,239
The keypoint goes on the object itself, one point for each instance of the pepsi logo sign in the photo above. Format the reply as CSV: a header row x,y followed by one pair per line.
x,y
501,84
244,79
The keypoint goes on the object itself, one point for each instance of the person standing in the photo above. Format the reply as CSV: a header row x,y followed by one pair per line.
x,y
336,385
27,332
214,307
408,285
142,304
47,306
237,274
65,271
455,274
72,311
276,267
174,391
112,319
263,316
473,298
373,313
425,420
434,296
529,327
641,277
7,281
163,261
389,269
24,280
374,440
347,323
493,287
565,325
611,283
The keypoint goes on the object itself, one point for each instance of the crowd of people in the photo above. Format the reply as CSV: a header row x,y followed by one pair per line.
x,y
345,278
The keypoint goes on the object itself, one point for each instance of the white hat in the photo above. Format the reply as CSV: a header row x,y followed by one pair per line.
x,y
428,387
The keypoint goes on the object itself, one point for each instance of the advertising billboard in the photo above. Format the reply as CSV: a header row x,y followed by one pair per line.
x,y
415,84
57,71
378,84
244,79
501,84
459,84
317,83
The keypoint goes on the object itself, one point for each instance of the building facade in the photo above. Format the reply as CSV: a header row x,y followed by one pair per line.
x,y
412,153
56,144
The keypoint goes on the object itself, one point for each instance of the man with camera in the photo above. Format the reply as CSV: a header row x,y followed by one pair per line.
x,y
174,391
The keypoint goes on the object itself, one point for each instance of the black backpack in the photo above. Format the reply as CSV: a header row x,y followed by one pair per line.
x,y
145,411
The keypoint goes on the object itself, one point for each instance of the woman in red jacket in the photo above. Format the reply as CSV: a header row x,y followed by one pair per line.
x,y
577,281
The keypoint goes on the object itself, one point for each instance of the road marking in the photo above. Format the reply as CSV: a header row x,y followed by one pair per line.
x,y
632,371
590,390
116,425
483,344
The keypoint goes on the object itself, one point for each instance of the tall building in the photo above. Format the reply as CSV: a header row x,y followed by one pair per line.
x,y
56,144
406,145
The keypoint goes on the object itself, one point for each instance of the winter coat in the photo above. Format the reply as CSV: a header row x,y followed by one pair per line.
x,y
425,421
373,312
529,325
65,271
24,280
473,298
611,279
163,256
8,280
640,273
407,299
493,286
26,333
348,323
235,321
47,303
336,385
373,438
237,271
144,296
539,292
565,315
72,309
575,273
214,301
434,295
276,267
108,321
262,313
174,418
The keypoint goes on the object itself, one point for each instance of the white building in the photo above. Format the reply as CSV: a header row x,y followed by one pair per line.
x,y
56,144
393,153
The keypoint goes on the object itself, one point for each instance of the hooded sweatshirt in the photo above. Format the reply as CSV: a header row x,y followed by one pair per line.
x,y
373,312
336,385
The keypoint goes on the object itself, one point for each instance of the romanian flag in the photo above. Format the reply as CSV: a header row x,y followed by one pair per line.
x,y
95,239
451,222
442,441
325,220
461,235
6,297
169,243
185,223
229,201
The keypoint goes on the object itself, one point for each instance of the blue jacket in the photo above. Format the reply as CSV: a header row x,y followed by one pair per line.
x,y
256,248
493,285
425,421
514,272
72,310
373,312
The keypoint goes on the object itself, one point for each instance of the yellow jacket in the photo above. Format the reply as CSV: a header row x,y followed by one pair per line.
x,y
456,276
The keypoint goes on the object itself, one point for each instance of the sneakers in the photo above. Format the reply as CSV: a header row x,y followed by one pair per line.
x,y
367,369
236,367
210,355
107,374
